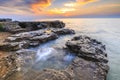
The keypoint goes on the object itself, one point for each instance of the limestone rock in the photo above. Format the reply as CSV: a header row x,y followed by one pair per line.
x,y
63,31
88,48
33,38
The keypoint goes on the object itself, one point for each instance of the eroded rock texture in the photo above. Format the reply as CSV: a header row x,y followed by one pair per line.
x,y
89,63
33,38
7,66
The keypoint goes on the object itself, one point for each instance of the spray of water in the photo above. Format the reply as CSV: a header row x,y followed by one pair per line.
x,y
43,54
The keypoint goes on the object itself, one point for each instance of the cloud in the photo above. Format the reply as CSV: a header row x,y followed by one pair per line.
x,y
79,3
85,1
39,6
53,8
23,6
60,10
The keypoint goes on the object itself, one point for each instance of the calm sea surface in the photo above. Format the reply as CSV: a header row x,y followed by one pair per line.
x,y
106,30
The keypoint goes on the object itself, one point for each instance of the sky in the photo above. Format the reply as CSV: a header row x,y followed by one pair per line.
x,y
40,9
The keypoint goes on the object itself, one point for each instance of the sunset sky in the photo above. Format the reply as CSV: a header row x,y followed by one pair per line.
x,y
35,9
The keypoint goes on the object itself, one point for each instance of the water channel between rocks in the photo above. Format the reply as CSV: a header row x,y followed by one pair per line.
x,y
46,57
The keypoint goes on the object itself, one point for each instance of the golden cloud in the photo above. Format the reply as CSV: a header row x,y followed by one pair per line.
x,y
61,10
38,7
85,1
78,3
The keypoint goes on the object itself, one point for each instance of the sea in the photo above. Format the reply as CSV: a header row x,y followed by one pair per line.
x,y
105,30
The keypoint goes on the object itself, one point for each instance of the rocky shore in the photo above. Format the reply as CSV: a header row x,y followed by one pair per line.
x,y
90,62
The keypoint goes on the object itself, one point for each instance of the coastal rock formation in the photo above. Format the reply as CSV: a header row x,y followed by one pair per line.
x,y
25,40
12,27
32,38
17,27
41,25
87,48
63,31
89,63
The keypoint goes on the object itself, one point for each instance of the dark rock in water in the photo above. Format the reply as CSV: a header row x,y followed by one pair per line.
x,y
7,66
63,31
88,48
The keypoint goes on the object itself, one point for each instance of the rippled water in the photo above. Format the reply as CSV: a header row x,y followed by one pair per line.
x,y
106,30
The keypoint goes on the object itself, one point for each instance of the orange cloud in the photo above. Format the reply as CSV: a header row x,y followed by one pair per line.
x,y
78,3
85,1
38,7
61,10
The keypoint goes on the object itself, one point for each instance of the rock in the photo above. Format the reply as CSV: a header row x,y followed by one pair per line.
x,y
87,70
86,66
44,38
51,74
13,27
7,66
25,52
63,31
88,49
57,24
13,46
33,38
41,25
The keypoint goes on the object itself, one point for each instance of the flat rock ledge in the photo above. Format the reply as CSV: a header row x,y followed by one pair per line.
x,y
25,40
90,62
